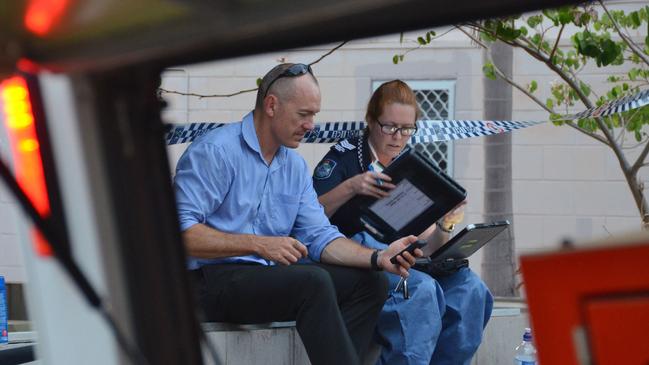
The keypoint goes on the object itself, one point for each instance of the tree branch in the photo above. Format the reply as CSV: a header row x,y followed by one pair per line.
x,y
637,144
624,37
419,45
328,53
608,136
526,92
638,163
200,96
556,43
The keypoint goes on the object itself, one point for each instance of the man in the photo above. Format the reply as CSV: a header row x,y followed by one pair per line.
x,y
249,214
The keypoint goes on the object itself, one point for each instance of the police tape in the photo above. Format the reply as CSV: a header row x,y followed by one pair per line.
x,y
330,132
620,105
428,130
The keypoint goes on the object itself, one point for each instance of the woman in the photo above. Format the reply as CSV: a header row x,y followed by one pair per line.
x,y
442,321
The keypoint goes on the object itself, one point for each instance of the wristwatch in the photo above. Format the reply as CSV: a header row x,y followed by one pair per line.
x,y
447,229
374,264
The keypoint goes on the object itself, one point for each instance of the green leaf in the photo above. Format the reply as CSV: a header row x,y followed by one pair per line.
x,y
506,32
258,81
552,15
489,71
395,59
585,88
610,52
532,86
429,36
534,20
586,44
638,136
401,38
584,18
549,103
487,37
635,19
581,123
565,15
421,41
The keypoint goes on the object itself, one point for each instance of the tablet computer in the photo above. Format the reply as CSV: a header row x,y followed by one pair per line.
x,y
423,194
468,240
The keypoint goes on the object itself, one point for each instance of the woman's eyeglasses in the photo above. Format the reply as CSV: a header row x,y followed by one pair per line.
x,y
391,129
294,70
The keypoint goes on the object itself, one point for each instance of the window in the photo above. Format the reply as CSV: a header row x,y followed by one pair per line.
x,y
436,101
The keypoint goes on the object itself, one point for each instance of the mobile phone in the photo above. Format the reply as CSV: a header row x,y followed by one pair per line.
x,y
411,249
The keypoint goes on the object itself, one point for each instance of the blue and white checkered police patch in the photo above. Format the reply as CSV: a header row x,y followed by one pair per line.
x,y
324,169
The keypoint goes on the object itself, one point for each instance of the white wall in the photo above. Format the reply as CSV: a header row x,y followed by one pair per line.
x,y
565,185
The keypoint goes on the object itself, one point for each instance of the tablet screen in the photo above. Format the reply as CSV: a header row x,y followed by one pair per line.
x,y
403,205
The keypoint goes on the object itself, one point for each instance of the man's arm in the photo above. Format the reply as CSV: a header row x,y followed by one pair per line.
x,y
345,252
204,242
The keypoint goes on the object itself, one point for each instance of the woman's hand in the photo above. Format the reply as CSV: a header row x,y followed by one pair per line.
x,y
371,183
455,216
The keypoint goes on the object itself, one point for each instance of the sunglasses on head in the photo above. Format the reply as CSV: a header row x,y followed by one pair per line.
x,y
297,69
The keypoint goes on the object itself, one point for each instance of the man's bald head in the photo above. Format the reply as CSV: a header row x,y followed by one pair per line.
x,y
277,82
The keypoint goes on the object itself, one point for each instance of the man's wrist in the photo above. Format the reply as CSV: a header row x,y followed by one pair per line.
x,y
374,260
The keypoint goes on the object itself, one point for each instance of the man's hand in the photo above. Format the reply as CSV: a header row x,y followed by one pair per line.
x,y
282,250
406,260
371,183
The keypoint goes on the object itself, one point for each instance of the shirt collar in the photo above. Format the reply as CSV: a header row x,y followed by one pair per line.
x,y
250,137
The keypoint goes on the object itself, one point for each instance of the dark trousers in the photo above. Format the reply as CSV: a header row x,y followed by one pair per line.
x,y
335,308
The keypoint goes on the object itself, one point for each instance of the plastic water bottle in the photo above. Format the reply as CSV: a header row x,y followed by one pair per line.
x,y
4,335
526,352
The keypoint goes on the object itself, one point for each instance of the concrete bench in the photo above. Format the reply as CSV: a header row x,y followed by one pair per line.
x,y
279,342
268,343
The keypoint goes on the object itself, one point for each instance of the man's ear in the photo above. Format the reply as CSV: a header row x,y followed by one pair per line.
x,y
270,105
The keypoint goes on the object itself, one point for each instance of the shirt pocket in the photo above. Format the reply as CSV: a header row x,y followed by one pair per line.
x,y
285,209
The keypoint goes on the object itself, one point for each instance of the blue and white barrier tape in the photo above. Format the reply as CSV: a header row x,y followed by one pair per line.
x,y
620,105
429,130
330,132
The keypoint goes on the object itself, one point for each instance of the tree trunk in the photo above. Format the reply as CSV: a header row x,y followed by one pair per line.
x,y
498,256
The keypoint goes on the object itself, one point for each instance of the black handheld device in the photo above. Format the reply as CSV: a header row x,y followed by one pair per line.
x,y
411,249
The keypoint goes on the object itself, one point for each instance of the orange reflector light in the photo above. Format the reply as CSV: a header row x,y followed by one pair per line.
x,y
42,15
25,149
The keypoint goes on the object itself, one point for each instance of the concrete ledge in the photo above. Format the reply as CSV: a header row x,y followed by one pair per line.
x,y
223,327
279,343
266,343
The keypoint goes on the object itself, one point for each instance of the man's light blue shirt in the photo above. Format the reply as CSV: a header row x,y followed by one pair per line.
x,y
223,181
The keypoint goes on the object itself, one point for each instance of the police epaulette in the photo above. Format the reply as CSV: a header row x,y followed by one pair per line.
x,y
343,146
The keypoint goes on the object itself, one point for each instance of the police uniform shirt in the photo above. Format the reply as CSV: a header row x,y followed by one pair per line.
x,y
344,160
